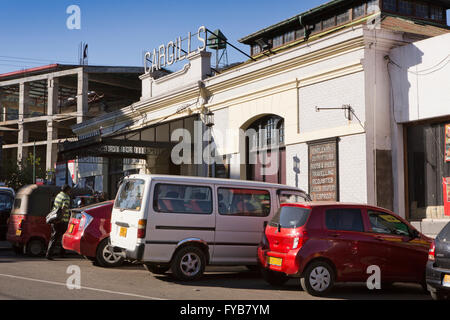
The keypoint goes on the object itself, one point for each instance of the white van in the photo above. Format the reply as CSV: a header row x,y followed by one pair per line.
x,y
185,223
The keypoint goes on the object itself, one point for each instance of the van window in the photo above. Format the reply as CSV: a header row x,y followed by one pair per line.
x,y
382,222
244,202
290,217
172,198
344,220
130,195
292,196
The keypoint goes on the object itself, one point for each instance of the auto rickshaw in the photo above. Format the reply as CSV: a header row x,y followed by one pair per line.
x,y
28,231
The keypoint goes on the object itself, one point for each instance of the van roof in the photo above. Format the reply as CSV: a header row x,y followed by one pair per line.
x,y
213,180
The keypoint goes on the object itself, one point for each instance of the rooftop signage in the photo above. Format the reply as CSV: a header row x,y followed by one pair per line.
x,y
173,51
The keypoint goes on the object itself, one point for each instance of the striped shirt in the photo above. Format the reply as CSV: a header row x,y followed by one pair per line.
x,y
62,200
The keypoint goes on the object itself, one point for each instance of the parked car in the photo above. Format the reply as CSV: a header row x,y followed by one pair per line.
x,y
438,266
6,203
184,223
88,234
27,229
325,243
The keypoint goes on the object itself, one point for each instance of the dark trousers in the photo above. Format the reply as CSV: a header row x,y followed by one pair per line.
x,y
58,230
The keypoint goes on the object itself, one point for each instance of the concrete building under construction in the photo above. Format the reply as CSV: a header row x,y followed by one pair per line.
x,y
38,106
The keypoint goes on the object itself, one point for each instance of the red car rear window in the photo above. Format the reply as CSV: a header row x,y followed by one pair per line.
x,y
290,217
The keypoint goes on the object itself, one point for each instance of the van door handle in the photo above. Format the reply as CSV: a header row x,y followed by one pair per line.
x,y
122,224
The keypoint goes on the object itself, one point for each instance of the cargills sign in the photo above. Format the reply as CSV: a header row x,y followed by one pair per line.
x,y
173,51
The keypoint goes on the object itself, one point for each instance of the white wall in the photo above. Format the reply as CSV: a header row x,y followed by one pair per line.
x,y
421,79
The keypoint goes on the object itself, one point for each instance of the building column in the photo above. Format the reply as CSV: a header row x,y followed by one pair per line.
x,y
82,96
23,135
52,130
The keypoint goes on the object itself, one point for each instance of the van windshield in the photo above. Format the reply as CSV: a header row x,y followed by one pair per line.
x,y
290,217
130,195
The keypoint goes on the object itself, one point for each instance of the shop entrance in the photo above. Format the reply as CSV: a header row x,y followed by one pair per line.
x,y
427,167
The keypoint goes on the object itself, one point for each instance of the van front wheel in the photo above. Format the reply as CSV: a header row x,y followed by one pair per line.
x,y
188,264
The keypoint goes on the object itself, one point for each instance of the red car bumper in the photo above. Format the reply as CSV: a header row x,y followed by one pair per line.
x,y
289,262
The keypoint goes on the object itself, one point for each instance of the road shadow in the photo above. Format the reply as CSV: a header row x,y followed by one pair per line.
x,y
253,280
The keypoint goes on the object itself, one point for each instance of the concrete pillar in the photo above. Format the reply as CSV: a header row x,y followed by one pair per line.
x,y
82,96
52,130
23,135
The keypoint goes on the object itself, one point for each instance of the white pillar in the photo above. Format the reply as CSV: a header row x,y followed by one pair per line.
x,y
82,96
23,135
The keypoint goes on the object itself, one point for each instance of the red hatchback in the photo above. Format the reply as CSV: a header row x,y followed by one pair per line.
x,y
88,234
324,243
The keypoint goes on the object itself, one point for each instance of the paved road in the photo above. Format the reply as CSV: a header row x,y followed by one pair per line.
x,y
23,277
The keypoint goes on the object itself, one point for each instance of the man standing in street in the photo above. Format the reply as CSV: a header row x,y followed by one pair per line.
x,y
59,227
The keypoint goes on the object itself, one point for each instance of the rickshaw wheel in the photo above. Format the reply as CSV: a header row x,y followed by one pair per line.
x,y
35,247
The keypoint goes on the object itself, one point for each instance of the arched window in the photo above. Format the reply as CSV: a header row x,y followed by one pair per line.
x,y
265,151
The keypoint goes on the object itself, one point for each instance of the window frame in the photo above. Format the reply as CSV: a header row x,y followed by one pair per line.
x,y
142,200
369,211
268,191
155,198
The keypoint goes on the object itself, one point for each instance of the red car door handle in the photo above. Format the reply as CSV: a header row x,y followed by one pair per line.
x,y
379,238
334,235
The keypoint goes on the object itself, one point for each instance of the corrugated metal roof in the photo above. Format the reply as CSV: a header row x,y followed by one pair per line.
x,y
326,6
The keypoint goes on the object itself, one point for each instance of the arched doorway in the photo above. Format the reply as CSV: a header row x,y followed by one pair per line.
x,y
265,150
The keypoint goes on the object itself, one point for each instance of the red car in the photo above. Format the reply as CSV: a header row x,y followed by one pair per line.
x,y
325,243
88,234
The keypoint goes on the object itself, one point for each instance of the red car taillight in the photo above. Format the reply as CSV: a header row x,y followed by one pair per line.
x,y
299,241
85,221
431,252
142,226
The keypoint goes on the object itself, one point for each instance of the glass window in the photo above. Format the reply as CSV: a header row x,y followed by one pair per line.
x,y
256,49
290,217
244,202
382,222
343,17
300,33
436,13
422,10
330,22
6,202
278,41
17,203
289,36
317,27
390,5
171,198
344,220
292,196
405,7
359,10
130,195
372,6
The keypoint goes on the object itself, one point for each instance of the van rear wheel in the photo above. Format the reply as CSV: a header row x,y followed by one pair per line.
x,y
188,264
156,268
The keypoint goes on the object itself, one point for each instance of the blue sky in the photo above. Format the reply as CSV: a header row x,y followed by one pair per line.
x,y
119,31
